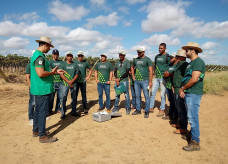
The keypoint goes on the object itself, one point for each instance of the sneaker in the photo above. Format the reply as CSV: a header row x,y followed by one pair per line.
x,y
100,109
31,122
47,139
146,115
75,114
115,110
160,113
192,146
86,111
136,112
63,116
109,110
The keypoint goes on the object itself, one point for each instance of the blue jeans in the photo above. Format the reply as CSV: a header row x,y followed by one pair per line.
x,y
192,102
173,113
39,117
156,83
127,98
138,86
63,98
182,112
133,100
31,106
82,87
106,88
57,90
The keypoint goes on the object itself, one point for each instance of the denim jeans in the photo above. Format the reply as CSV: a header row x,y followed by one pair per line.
x,y
192,102
173,113
106,88
39,117
133,100
82,87
156,83
127,98
57,90
63,98
182,112
138,86
31,106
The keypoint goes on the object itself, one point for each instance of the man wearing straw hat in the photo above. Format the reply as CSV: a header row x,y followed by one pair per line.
x,y
192,91
121,72
83,65
41,88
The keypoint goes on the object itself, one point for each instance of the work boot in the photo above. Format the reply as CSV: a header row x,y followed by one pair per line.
x,y
47,139
192,146
160,113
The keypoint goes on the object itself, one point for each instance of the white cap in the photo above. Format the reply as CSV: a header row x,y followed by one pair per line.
x,y
104,54
141,49
69,52
80,53
122,52
173,54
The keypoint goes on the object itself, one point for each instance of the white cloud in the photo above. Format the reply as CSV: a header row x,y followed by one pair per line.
x,y
65,12
97,2
101,20
124,9
14,43
209,45
127,23
7,28
156,39
24,17
135,1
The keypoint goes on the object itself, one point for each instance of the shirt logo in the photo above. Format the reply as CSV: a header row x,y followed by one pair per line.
x,y
40,62
171,69
188,66
80,65
70,67
139,62
57,64
102,66
160,59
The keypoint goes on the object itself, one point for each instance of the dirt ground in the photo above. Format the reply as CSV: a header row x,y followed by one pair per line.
x,y
126,139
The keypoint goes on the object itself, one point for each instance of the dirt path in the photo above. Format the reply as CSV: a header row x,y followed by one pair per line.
x,y
128,139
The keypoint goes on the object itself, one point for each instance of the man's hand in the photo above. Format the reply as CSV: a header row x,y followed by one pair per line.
x,y
181,92
54,70
97,81
133,78
87,78
150,84
60,71
108,82
70,82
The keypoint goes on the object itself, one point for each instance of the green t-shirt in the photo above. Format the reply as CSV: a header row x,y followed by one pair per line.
x,y
104,70
27,69
82,67
195,65
178,75
122,68
142,68
161,65
53,64
71,69
171,69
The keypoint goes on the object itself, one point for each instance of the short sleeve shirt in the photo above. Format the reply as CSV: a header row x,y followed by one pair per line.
x,y
178,75
161,65
40,62
27,70
82,66
196,65
71,69
122,67
142,68
104,70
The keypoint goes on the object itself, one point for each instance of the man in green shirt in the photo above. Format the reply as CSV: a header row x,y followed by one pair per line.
x,y
83,65
103,76
41,87
121,72
162,60
142,74
57,81
192,91
69,77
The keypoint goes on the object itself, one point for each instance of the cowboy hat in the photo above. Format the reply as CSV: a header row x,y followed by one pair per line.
x,y
193,45
45,39
181,52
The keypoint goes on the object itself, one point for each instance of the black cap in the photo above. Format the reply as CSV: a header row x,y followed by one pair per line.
x,y
55,51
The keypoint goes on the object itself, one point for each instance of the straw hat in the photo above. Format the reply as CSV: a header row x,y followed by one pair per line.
x,y
45,39
192,45
181,52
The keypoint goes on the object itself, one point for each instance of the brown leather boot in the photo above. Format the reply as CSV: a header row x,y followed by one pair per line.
x,y
160,113
192,146
47,139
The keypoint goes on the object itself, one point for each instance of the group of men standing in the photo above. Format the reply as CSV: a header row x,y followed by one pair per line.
x,y
182,81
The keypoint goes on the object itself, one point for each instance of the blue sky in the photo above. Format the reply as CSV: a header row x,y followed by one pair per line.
x,y
98,26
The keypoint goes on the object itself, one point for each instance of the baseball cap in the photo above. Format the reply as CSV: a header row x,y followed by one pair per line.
x,y
69,53
80,53
55,51
141,49
122,52
104,54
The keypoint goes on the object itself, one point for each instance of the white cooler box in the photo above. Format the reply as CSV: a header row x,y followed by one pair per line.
x,y
101,117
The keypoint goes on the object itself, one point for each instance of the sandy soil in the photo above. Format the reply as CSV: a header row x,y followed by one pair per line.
x,y
127,139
